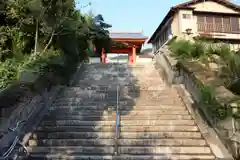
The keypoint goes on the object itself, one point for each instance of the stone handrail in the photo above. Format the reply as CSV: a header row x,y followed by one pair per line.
x,y
167,63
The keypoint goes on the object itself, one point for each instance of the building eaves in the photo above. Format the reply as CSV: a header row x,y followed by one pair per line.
x,y
127,35
186,5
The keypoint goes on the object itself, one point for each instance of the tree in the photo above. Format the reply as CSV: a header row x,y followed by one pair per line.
x,y
99,34
33,31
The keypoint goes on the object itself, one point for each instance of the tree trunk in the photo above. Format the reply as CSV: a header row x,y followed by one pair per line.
x,y
49,42
36,39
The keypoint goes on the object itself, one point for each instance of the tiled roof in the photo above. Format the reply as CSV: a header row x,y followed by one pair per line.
x,y
129,35
224,2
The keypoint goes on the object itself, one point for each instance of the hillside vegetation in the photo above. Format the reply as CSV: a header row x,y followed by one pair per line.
x,y
46,36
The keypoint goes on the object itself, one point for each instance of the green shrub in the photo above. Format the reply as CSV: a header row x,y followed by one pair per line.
x,y
229,65
207,51
199,49
213,108
186,50
37,63
181,49
223,50
230,69
9,71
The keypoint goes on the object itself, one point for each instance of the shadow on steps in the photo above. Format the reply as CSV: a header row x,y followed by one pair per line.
x,y
81,123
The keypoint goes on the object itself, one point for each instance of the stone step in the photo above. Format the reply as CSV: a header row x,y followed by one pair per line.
x,y
140,66
121,142
98,88
72,142
141,150
131,85
137,87
105,98
111,135
164,150
148,74
113,117
106,88
72,149
172,128
122,122
76,128
103,107
87,94
153,93
126,99
108,80
122,157
143,67
146,78
142,70
127,75
162,101
105,66
61,112
151,86
121,97
53,117
122,93
166,157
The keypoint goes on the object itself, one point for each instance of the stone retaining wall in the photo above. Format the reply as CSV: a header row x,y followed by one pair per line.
x,y
21,100
30,108
190,75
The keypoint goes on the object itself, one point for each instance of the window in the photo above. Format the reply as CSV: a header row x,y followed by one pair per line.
x,y
161,41
186,16
209,19
235,24
226,24
201,19
157,42
162,37
209,23
217,23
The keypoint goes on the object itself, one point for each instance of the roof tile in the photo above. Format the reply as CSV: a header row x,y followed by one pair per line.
x,y
128,35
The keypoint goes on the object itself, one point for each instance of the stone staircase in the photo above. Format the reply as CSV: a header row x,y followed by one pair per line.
x,y
154,123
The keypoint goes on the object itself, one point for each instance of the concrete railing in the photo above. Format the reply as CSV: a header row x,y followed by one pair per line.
x,y
164,61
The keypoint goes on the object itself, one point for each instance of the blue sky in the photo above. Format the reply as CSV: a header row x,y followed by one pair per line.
x,y
132,15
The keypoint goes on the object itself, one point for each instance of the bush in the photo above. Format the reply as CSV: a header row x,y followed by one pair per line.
x,y
208,100
51,61
186,50
230,70
37,63
228,61
182,49
8,72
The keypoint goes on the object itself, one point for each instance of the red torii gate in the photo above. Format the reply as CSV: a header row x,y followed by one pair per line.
x,y
135,40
